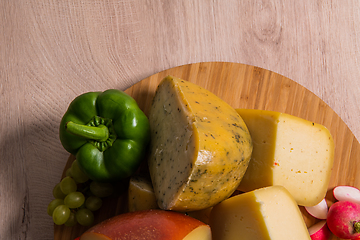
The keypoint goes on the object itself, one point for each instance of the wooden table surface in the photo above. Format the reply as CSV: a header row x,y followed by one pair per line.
x,y
52,51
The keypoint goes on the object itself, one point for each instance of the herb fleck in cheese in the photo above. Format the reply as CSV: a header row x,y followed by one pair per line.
x,y
200,146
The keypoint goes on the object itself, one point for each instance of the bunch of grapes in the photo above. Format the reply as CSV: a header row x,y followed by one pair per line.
x,y
77,197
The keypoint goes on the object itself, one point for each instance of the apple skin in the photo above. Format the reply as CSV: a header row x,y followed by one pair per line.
x,y
147,224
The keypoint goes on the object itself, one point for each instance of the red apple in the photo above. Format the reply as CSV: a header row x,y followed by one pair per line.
x,y
149,224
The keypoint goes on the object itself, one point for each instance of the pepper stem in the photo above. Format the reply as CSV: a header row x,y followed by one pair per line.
x,y
96,133
357,226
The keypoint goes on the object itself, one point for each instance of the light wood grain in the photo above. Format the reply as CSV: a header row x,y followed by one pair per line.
x,y
51,51
245,86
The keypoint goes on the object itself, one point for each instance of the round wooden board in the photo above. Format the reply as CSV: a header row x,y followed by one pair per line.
x,y
244,86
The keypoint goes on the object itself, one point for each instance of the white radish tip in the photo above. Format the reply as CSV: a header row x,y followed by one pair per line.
x,y
347,193
318,211
319,231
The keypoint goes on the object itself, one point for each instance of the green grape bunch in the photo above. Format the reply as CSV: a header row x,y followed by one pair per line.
x,y
76,197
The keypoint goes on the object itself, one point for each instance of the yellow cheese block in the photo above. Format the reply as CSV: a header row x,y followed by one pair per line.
x,y
200,146
288,151
268,213
141,195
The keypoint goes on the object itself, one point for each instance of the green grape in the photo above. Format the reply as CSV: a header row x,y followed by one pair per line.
x,y
78,175
93,203
71,221
53,204
68,185
101,190
82,206
61,214
84,217
68,172
57,193
74,199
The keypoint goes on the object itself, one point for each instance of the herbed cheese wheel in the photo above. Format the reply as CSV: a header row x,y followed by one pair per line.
x,y
200,146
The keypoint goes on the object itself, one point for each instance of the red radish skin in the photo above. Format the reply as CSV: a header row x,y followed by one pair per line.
x,y
319,231
343,219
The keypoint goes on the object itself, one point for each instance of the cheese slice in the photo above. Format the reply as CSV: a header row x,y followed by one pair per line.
x,y
269,213
141,194
200,146
288,151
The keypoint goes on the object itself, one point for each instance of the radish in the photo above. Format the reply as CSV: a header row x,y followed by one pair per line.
x,y
343,219
319,231
347,193
318,211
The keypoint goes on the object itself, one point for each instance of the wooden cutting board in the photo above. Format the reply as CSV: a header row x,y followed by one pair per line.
x,y
244,86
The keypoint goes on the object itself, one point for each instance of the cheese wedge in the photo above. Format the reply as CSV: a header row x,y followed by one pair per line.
x,y
288,151
141,195
200,146
268,213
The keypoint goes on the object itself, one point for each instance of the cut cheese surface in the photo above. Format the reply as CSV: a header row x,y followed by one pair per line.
x,y
141,195
200,146
288,151
268,213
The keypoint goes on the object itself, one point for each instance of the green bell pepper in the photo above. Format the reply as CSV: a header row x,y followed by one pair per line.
x,y
107,132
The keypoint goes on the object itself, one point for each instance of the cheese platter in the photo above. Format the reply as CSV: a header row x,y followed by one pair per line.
x,y
247,87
